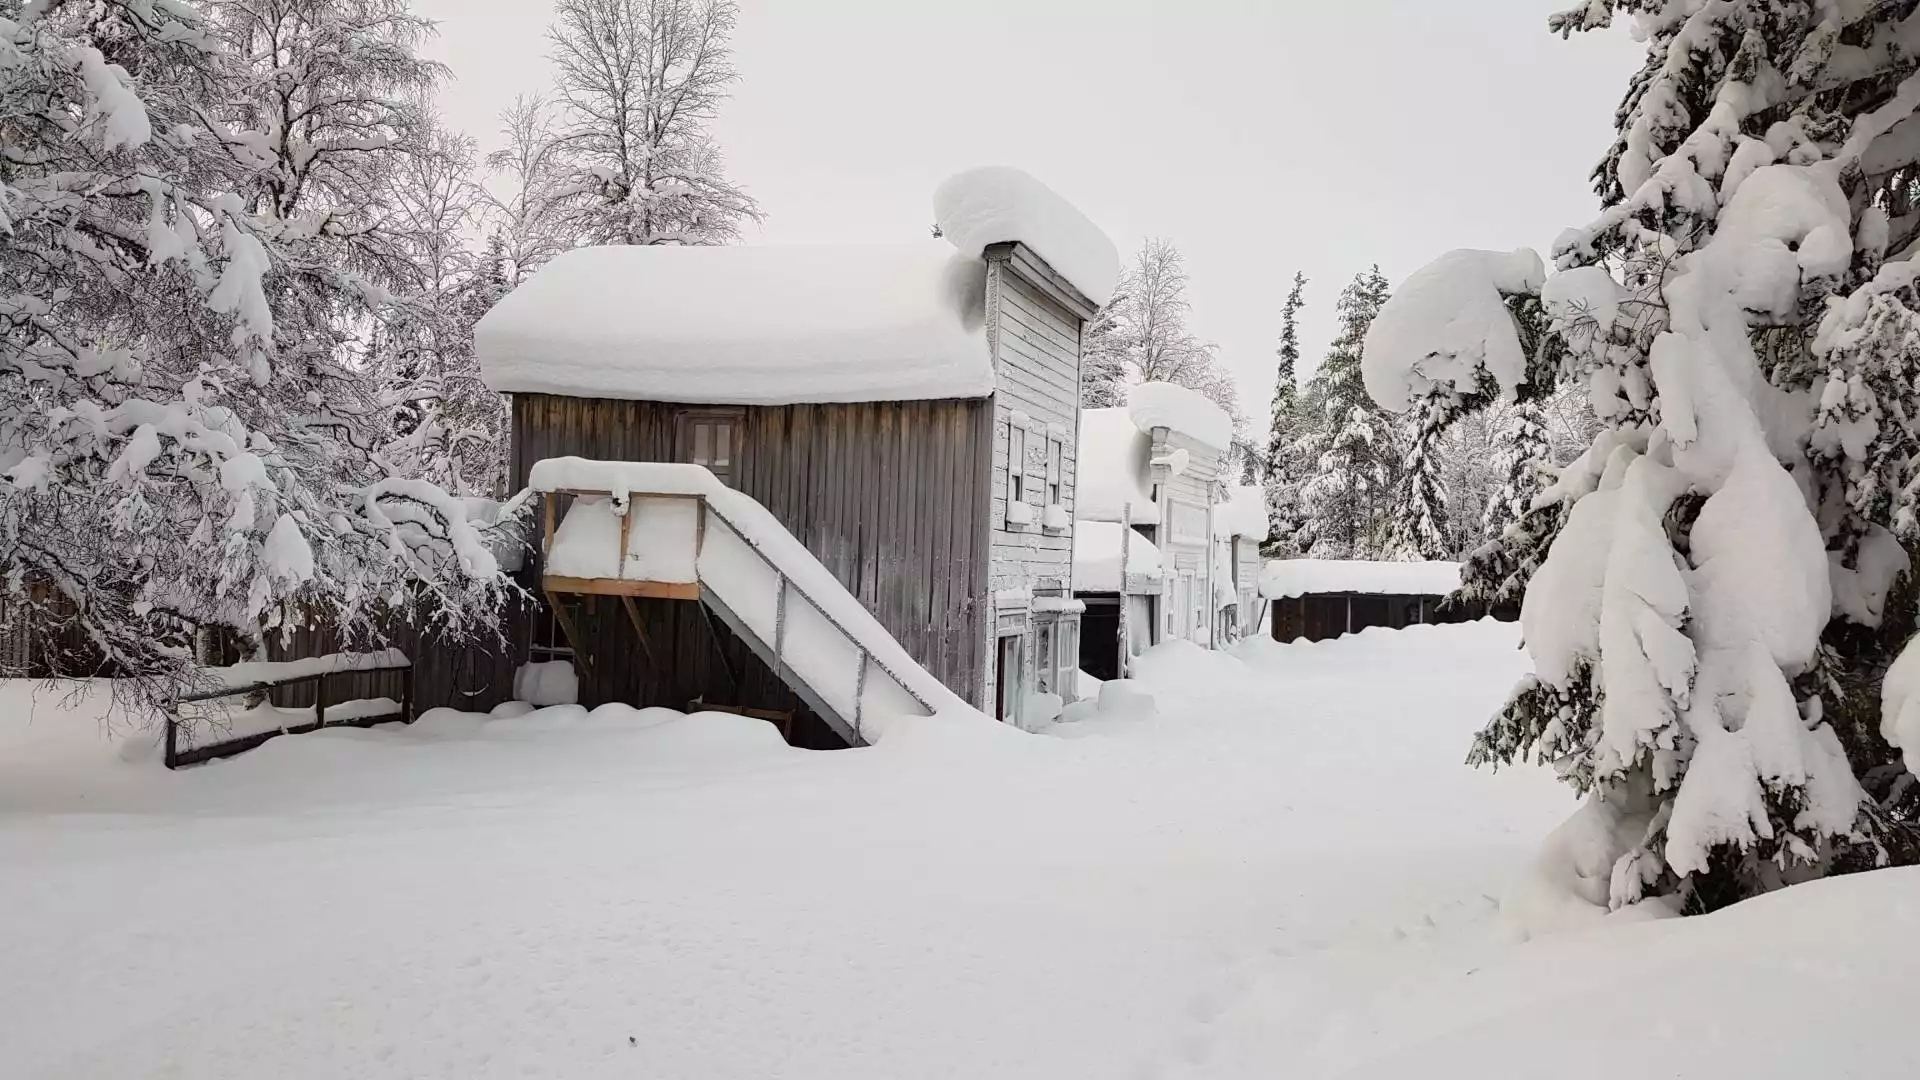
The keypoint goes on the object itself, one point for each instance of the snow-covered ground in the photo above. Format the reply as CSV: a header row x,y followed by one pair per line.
x,y
1285,873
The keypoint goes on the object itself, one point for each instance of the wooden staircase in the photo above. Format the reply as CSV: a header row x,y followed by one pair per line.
x,y
790,626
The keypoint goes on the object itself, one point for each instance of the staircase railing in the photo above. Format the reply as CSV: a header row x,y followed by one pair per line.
x,y
868,659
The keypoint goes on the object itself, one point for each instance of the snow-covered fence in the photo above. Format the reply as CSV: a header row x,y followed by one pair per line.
x,y
1316,599
199,730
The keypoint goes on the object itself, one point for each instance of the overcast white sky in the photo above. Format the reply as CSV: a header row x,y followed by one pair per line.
x,y
1261,136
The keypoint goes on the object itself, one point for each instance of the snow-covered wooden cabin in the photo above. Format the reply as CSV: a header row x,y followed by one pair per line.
x,y
1316,599
1116,567
906,412
1150,484
1188,438
1240,526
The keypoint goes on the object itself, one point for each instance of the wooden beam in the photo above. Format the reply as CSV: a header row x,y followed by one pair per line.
x,y
657,590
640,628
565,619
626,530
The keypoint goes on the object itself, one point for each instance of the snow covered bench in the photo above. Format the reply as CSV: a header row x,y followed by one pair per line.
x,y
199,730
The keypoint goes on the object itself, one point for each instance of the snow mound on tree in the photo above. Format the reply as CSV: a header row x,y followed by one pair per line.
x,y
995,204
1181,411
1900,707
1447,325
745,325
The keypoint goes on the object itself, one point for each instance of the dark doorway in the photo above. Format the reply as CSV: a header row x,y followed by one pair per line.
x,y
1100,637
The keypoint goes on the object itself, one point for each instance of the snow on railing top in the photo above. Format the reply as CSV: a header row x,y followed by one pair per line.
x,y
262,672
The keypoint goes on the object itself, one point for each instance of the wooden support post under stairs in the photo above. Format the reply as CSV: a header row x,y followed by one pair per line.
x,y
581,655
640,628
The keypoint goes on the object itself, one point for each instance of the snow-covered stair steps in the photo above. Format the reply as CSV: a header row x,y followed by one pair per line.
x,y
669,530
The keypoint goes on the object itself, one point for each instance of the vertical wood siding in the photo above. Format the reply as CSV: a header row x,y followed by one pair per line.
x,y
886,494
1036,349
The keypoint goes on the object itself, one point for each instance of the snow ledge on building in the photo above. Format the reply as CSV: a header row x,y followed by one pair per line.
x,y
767,325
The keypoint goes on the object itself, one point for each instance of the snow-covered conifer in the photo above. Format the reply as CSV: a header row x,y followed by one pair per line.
x,y
1350,447
1417,522
1740,316
1284,472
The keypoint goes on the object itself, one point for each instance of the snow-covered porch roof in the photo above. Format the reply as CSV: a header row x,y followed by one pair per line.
x,y
1096,559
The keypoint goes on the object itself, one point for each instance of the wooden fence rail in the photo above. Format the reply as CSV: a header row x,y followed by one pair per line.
x,y
176,756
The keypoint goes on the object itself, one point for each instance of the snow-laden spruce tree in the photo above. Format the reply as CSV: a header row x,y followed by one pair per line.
x,y
1417,521
1284,469
1525,456
174,455
1513,534
1349,448
1741,314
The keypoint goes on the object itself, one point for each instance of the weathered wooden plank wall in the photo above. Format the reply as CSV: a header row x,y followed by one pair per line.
x,y
885,495
1319,616
471,678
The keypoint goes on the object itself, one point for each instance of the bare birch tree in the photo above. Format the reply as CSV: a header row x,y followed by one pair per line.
x,y
530,213
1142,335
638,82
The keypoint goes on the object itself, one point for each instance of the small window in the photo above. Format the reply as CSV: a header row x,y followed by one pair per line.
x,y
1016,463
709,439
1044,661
1068,649
1053,472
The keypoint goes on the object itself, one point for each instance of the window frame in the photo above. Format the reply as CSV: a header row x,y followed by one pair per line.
x,y
1056,452
1045,661
1016,463
687,425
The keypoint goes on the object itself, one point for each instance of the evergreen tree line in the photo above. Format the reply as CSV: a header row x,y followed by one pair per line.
x,y
1347,480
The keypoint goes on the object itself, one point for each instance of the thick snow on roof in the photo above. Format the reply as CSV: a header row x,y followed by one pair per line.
x,y
1243,514
1284,578
744,325
995,204
1111,467
1447,324
1096,556
1183,411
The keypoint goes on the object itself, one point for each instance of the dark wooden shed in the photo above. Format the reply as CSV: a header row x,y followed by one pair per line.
x,y
882,493
1317,599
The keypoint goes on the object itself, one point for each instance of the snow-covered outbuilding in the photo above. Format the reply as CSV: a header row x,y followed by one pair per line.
x,y
1152,477
1116,567
906,412
1240,526
1316,599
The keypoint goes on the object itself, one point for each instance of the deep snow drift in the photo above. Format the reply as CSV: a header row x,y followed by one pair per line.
x,y
1283,871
